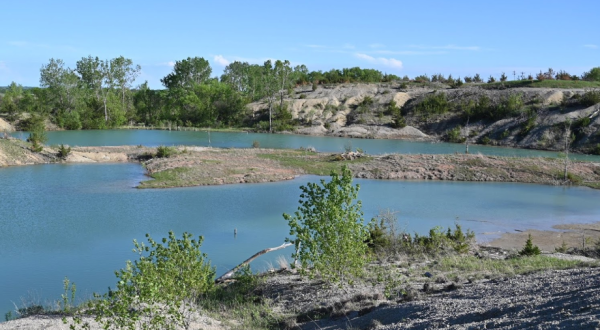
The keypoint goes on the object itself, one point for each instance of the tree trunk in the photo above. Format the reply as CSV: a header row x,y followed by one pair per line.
x,y
230,273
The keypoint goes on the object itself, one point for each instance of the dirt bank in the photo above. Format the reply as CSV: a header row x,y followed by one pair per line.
x,y
574,236
361,110
221,166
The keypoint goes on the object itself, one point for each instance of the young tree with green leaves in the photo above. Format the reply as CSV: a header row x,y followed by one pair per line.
x,y
270,88
160,290
329,232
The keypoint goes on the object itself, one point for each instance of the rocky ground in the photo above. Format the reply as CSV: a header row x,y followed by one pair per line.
x,y
341,110
557,299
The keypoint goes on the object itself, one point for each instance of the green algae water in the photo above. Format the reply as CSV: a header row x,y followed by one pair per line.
x,y
79,220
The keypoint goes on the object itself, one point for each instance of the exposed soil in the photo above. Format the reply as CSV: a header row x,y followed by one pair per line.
x,y
574,236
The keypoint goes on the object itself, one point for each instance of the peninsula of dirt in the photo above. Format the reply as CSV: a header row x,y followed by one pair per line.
x,y
193,166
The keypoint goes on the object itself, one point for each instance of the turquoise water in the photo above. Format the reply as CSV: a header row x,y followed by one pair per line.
x,y
79,220
245,140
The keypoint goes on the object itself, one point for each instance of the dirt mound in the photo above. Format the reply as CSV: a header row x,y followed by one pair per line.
x,y
5,126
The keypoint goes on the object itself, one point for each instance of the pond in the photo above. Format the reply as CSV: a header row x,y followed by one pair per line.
x,y
79,220
245,140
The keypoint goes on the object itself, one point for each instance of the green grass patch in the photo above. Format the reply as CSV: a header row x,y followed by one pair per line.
x,y
512,266
175,177
311,163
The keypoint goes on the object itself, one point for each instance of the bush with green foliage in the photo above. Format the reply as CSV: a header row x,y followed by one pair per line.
x,y
590,97
529,249
435,103
394,110
328,229
439,242
592,75
37,132
529,123
160,290
63,151
454,135
165,152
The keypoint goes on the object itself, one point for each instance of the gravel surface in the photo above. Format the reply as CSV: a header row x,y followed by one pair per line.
x,y
567,299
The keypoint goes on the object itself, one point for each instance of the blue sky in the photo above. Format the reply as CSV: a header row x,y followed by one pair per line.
x,y
401,37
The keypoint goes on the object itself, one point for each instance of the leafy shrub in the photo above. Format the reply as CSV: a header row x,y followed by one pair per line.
x,y
63,152
529,249
398,120
590,97
422,79
160,290
437,241
592,75
302,96
486,140
378,236
255,144
37,132
436,103
528,124
454,135
329,231
165,152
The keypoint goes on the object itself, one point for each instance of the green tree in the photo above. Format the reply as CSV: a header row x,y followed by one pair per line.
x,y
283,70
330,234
592,75
60,89
124,73
37,132
187,73
160,290
270,88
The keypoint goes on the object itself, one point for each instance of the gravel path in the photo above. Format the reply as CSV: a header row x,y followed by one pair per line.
x,y
568,299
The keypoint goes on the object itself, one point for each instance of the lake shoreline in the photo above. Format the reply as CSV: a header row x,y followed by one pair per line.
x,y
193,166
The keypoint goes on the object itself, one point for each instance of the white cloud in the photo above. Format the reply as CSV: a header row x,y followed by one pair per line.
x,y
389,62
591,46
220,60
27,44
410,52
316,46
448,47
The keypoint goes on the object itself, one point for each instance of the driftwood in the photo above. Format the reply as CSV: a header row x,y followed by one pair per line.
x,y
230,273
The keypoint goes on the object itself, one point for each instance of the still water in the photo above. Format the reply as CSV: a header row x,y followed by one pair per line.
x,y
79,220
154,138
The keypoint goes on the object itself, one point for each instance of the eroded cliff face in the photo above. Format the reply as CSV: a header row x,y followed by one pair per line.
x,y
362,110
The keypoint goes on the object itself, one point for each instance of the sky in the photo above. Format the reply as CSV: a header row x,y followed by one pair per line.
x,y
399,37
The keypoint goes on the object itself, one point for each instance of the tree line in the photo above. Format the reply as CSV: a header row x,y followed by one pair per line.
x,y
100,94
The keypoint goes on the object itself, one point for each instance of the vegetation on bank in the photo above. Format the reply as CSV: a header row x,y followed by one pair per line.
x,y
171,282
99,93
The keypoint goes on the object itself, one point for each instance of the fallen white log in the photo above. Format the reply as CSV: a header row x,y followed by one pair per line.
x,y
230,273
